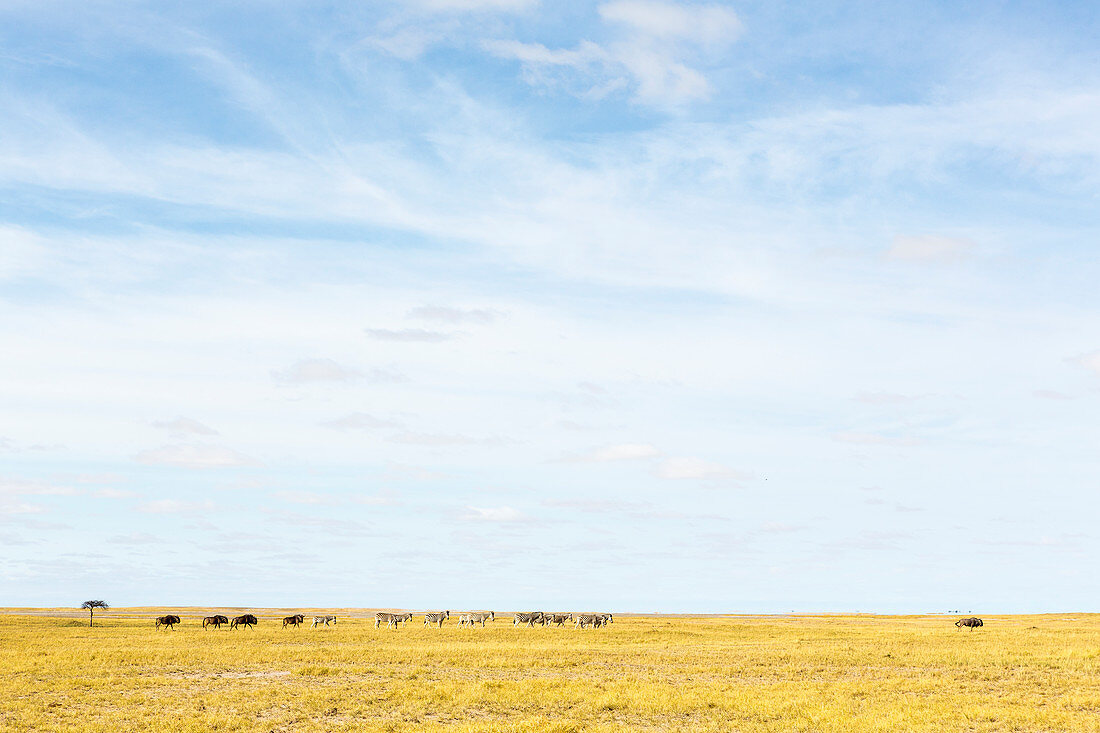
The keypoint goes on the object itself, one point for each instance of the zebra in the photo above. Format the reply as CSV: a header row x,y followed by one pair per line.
x,y
168,622
973,622
469,619
559,618
216,621
391,619
318,620
531,618
436,618
596,620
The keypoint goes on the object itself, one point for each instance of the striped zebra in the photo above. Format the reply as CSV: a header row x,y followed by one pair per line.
x,y
595,620
559,619
322,620
469,619
531,618
391,619
436,618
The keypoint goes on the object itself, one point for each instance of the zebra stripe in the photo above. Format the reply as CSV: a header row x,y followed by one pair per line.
x,y
559,618
436,618
530,618
595,620
391,619
469,619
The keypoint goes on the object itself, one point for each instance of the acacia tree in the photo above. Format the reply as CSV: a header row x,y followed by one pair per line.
x,y
91,606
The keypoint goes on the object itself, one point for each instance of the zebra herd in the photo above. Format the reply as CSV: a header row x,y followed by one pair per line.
x,y
473,618
436,618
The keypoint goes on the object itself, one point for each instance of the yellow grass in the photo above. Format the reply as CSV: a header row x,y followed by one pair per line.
x,y
804,673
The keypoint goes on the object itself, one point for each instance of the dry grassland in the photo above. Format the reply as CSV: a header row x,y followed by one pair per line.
x,y
804,673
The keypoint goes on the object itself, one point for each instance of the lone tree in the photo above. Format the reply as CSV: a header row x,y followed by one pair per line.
x,y
92,606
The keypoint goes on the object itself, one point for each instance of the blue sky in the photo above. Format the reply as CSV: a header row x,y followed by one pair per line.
x,y
502,304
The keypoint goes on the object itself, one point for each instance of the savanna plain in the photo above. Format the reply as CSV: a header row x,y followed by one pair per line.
x,y
641,673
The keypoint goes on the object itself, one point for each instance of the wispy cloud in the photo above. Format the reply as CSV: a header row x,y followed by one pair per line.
x,y
176,506
194,456
455,316
619,452
695,468
504,514
930,248
184,426
317,370
870,438
408,335
361,421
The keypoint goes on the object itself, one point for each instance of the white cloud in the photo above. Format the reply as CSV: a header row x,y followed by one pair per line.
x,y
113,494
476,5
929,248
16,487
317,370
865,438
694,468
174,506
493,514
304,497
1090,361
407,335
194,456
661,41
184,426
19,507
620,452
445,314
703,24
360,421
440,439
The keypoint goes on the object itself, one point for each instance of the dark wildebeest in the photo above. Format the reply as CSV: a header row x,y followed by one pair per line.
x,y
973,622
246,620
294,620
215,621
168,622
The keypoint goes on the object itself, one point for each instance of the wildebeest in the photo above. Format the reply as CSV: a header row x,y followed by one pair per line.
x,y
244,620
168,622
973,622
216,621
294,620
318,620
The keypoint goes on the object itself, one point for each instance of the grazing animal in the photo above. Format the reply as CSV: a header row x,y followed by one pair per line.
x,y
559,618
295,620
478,618
318,620
973,622
595,620
531,618
391,619
436,618
244,620
168,622
216,621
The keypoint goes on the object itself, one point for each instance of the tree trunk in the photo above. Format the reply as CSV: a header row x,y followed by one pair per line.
x,y
90,611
